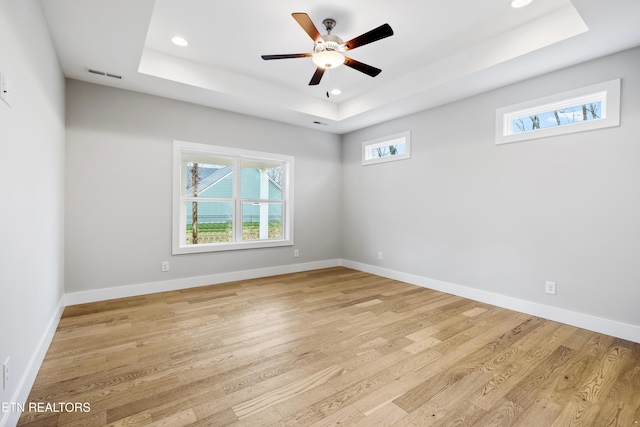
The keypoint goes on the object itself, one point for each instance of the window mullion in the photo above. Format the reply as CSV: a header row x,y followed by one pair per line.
x,y
237,205
187,199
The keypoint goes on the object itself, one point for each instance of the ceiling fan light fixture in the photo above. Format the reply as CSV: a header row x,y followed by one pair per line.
x,y
328,59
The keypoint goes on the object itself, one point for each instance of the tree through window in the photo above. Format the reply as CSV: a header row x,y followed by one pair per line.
x,y
227,199
564,116
389,148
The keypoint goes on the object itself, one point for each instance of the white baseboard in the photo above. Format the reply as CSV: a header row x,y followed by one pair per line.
x,y
26,382
581,320
191,282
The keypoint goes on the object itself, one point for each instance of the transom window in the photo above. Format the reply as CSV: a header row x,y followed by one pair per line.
x,y
227,199
386,149
587,108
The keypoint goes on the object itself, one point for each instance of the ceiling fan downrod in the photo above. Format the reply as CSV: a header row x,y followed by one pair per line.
x,y
329,24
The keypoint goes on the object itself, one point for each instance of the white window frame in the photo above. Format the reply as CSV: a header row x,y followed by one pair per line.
x,y
399,138
179,217
607,92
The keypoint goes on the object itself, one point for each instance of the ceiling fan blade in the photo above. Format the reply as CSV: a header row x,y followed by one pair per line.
x,y
362,67
286,56
307,25
317,76
376,34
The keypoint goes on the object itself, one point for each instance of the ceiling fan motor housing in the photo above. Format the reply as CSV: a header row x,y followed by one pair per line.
x,y
330,42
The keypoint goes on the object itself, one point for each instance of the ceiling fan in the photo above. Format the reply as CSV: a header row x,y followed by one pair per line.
x,y
328,51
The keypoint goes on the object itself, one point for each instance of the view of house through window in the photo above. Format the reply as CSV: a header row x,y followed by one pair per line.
x,y
231,202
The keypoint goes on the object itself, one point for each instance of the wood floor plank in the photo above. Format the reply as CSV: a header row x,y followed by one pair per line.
x,y
588,401
329,347
619,406
384,416
530,353
286,392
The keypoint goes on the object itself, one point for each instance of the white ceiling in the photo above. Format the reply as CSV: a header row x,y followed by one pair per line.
x,y
441,51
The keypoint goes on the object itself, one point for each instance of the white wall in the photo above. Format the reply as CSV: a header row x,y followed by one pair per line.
x,y
502,220
119,188
31,194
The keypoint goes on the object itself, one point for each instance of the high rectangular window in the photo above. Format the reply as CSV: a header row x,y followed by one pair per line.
x,y
587,108
227,199
387,149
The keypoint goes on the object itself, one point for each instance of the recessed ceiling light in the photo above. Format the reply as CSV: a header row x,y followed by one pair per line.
x,y
336,92
520,3
180,41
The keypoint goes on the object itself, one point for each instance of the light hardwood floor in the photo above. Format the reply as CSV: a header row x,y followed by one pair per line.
x,y
326,348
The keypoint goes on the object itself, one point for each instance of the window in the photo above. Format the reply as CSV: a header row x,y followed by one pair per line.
x,y
227,198
386,149
587,108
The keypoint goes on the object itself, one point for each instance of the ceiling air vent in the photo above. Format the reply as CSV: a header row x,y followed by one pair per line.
x,y
102,73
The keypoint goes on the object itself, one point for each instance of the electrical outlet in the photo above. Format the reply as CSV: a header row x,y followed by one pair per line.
x,y
5,374
296,253
165,266
550,288
380,255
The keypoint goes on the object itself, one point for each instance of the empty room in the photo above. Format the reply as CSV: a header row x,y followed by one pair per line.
x,y
320,213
